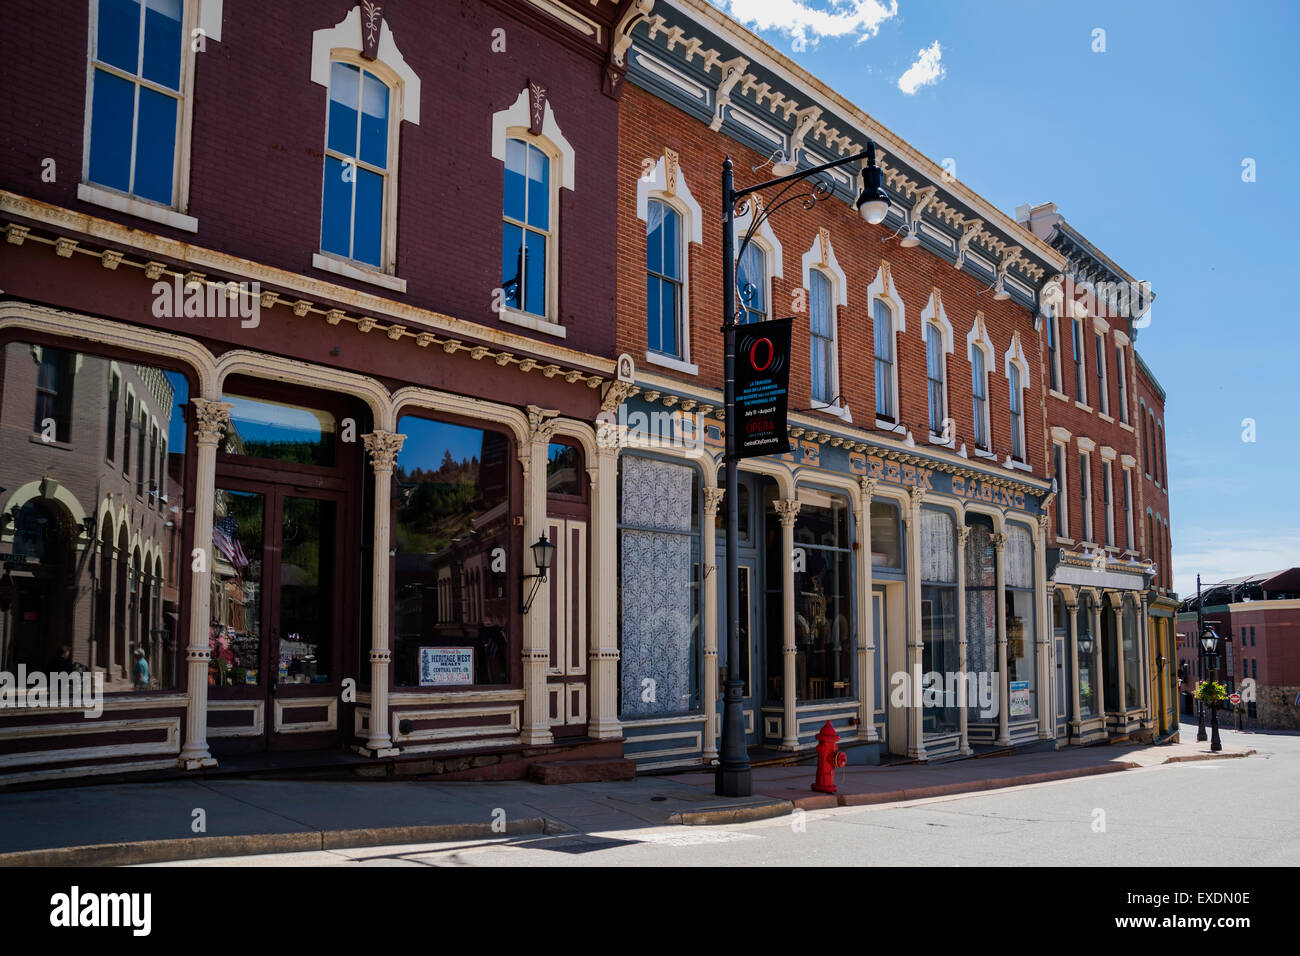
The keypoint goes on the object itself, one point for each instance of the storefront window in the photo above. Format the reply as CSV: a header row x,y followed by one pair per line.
x,y
453,564
981,607
83,546
938,613
1022,677
823,612
1110,657
563,469
1087,638
278,431
885,537
1132,662
659,506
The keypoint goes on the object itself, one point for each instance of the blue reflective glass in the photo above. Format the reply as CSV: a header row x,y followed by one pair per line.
x,y
820,305
535,273
516,171
654,241
112,106
668,316
155,146
162,42
539,193
672,268
336,213
374,121
368,228
654,340
341,135
512,264
118,36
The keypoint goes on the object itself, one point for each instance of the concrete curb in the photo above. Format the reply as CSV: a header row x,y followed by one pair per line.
x,y
965,786
199,848
1211,756
716,816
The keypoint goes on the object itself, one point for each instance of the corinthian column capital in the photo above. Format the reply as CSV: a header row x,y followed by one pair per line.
x,y
383,448
210,419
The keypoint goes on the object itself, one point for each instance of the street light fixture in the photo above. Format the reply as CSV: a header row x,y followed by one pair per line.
x,y
733,776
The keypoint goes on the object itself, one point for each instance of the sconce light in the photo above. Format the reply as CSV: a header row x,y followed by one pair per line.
x,y
543,555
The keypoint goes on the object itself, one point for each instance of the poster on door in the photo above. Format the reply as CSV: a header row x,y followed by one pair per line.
x,y
446,666
1020,705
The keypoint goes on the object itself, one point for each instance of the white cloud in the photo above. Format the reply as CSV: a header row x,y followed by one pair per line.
x,y
802,22
1217,555
926,71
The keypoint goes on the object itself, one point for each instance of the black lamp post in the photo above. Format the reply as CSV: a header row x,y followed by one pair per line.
x,y
733,776
1210,644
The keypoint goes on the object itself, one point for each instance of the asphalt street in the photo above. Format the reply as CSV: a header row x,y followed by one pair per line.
x,y
1155,816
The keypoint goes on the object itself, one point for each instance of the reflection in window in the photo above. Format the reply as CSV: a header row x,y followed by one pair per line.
x,y
356,165
1022,673
260,428
751,284
1086,633
526,231
86,584
563,469
663,279
886,549
452,536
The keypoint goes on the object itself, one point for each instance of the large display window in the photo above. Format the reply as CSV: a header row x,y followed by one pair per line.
x,y
939,614
1022,672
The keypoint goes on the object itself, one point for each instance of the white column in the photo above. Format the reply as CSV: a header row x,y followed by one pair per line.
x,y
916,741
866,623
999,540
382,448
602,655
963,712
210,418
536,651
709,559
1046,636
788,510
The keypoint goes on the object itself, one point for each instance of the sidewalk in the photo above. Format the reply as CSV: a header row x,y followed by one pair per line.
x,y
151,822
890,784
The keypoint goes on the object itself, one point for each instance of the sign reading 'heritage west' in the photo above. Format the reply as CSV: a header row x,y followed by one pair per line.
x,y
762,388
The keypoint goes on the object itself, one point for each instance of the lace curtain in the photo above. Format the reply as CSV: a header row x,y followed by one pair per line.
x,y
938,547
1019,554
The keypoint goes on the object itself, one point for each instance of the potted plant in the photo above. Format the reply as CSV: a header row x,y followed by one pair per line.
x,y
1211,693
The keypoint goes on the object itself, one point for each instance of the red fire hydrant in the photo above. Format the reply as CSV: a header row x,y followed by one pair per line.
x,y
829,759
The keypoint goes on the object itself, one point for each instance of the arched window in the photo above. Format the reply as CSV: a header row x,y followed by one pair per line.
x,y
822,336
526,235
883,321
357,191
934,374
751,284
663,279
1017,417
980,393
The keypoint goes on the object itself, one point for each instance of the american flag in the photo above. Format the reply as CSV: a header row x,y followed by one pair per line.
x,y
225,535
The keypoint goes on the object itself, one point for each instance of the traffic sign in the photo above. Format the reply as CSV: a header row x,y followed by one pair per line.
x,y
1235,699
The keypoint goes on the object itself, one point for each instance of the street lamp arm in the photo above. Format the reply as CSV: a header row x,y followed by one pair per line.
x,y
801,174
819,191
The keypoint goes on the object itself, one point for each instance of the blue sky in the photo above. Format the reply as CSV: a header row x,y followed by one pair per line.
x,y
1141,147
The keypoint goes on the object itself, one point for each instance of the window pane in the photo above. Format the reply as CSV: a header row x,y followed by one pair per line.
x,y
539,194
885,536
342,127
336,213
668,316
819,310
884,332
516,160
654,339
118,40
374,121
278,431
563,469
512,264
750,274
367,237
155,150
654,241
535,273
113,105
672,258
162,42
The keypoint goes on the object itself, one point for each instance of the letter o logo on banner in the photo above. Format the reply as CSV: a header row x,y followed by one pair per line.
x,y
753,355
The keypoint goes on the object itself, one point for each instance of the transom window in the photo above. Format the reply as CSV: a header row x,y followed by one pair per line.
x,y
356,165
934,377
663,279
822,337
135,111
526,232
751,284
883,321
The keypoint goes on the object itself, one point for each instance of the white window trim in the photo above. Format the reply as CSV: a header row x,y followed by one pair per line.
x,y
514,122
978,338
813,261
342,43
1015,355
656,186
773,255
196,15
882,288
933,314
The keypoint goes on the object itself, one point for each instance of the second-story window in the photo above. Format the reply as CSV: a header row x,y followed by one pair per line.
x,y
1121,380
357,167
1080,389
1128,508
883,322
1017,417
1085,493
751,284
1053,356
822,336
663,279
1103,399
980,391
54,374
526,232
136,101
934,377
